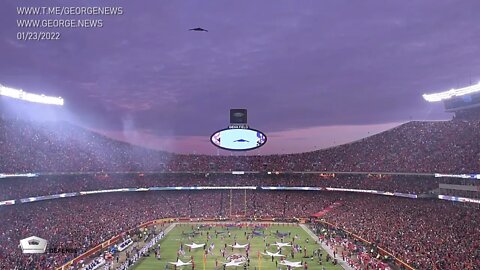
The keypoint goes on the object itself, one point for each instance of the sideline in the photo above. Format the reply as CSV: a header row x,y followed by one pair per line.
x,y
169,228
140,245
341,262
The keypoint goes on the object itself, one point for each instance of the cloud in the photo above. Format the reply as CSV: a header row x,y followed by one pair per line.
x,y
322,63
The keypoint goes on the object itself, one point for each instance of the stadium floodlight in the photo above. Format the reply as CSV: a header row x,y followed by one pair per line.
x,y
452,93
30,97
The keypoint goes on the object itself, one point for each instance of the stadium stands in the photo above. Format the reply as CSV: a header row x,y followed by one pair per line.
x,y
422,232
421,147
354,252
17,188
426,234
429,234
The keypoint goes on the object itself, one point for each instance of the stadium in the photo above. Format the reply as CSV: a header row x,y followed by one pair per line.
x,y
75,195
364,200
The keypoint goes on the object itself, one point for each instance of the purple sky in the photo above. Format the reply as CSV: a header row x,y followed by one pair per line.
x,y
311,74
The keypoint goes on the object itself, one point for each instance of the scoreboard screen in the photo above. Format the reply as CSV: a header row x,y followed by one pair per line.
x,y
238,139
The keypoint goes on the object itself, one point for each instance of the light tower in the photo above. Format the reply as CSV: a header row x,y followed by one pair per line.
x,y
30,97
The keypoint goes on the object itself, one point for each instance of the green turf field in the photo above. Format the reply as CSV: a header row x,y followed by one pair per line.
x,y
183,234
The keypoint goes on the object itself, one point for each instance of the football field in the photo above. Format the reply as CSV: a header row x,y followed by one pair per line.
x,y
220,238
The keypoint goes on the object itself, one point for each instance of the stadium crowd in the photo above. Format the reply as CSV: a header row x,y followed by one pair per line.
x,y
421,147
357,254
428,234
17,188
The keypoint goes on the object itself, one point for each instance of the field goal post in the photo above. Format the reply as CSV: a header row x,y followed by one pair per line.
x,y
236,215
